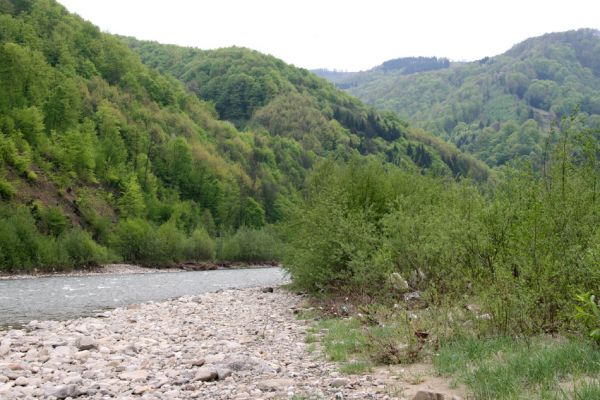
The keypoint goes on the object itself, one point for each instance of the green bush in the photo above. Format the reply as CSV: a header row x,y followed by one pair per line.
x,y
136,241
250,245
200,246
7,190
82,251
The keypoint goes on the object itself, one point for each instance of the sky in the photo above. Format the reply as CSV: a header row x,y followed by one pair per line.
x,y
348,35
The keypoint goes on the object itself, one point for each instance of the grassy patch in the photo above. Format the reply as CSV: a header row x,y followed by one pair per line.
x,y
342,338
503,368
356,367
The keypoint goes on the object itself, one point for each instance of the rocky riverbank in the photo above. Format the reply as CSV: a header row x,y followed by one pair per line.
x,y
234,344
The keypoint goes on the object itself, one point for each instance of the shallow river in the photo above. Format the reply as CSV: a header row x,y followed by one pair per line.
x,y
23,300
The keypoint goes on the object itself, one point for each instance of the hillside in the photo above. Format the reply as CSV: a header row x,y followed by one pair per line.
x,y
497,108
259,92
104,158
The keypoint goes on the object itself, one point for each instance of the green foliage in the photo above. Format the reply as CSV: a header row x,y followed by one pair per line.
x,y
51,220
201,246
23,247
588,312
7,190
83,251
250,245
136,240
131,203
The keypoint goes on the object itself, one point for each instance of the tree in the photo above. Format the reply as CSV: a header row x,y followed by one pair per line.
x,y
131,203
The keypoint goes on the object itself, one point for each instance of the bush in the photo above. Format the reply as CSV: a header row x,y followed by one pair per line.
x,y
82,251
200,246
7,190
250,245
136,241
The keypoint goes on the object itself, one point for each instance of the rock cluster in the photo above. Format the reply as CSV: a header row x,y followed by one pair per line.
x,y
234,344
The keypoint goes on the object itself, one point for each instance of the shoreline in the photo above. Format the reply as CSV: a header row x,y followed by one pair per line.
x,y
234,344
128,269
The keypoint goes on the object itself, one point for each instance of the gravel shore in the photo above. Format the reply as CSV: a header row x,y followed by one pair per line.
x,y
233,344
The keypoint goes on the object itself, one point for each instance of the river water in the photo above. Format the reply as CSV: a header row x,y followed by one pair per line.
x,y
64,297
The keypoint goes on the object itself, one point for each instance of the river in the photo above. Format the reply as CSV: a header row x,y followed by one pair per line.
x,y
65,297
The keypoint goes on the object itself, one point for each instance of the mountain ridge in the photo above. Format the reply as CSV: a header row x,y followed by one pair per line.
x,y
497,108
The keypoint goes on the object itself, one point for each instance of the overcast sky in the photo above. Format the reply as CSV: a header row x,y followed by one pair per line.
x,y
342,34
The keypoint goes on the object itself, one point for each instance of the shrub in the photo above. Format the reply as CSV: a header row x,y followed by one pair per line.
x,y
250,245
7,190
136,241
200,246
82,251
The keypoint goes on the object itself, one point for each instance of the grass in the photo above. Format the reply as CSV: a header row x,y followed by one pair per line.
x,y
343,341
343,338
503,368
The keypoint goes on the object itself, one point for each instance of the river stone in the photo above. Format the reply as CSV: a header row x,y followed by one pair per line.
x,y
63,391
86,343
21,381
3,378
141,389
61,351
15,367
271,385
137,375
198,363
206,374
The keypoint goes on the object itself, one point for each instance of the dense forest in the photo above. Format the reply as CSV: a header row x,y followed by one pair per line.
x,y
259,92
497,108
104,158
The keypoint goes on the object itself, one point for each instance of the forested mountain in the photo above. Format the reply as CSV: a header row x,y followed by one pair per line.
x,y
497,108
103,157
261,93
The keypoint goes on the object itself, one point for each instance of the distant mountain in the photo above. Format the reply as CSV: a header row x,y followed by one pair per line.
x,y
497,108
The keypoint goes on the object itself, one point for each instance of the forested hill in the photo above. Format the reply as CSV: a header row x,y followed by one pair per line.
x,y
104,158
497,108
262,93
